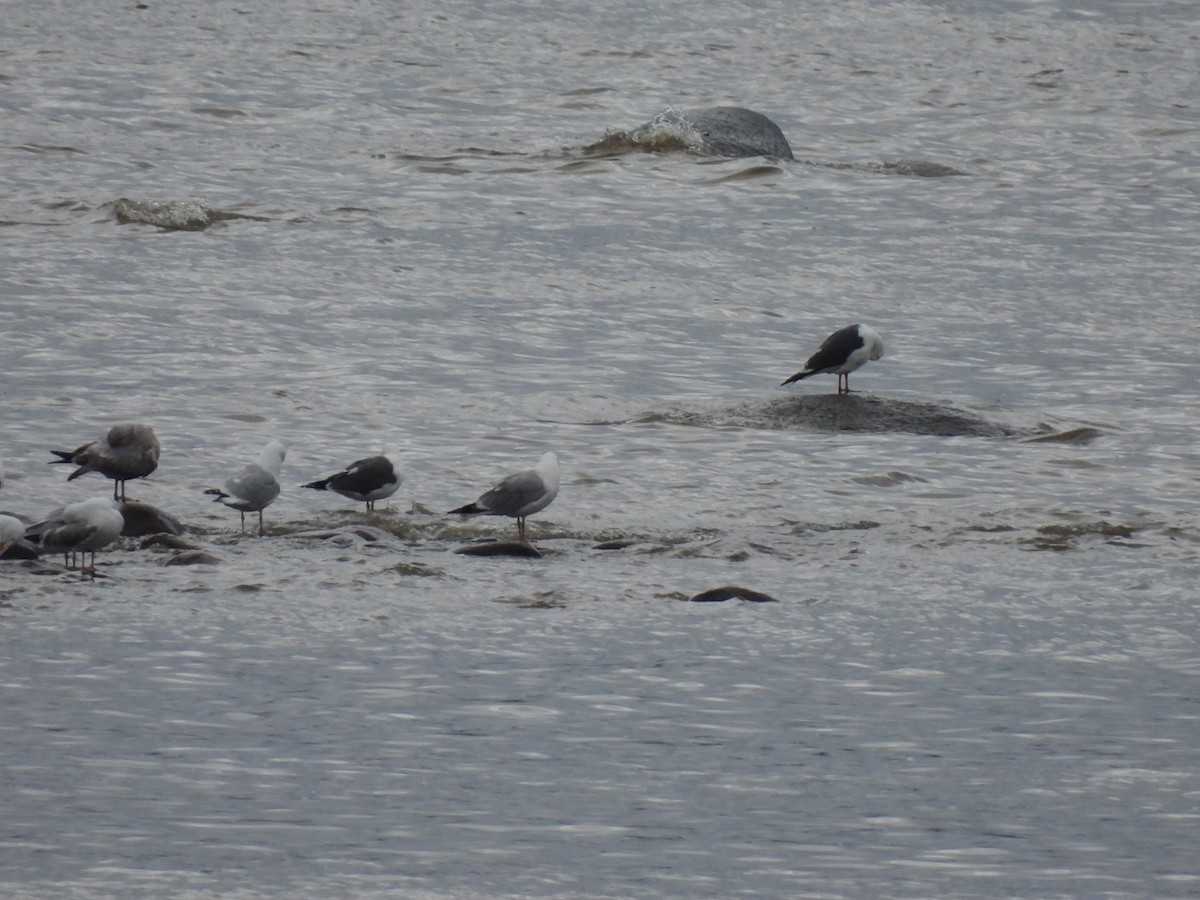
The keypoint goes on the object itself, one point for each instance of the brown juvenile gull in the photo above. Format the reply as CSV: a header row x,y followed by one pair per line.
x,y
519,495
841,353
365,480
127,451
255,487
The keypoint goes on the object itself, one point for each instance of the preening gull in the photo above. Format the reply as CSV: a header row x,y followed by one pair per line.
x,y
88,525
127,451
12,530
519,495
365,480
841,353
255,487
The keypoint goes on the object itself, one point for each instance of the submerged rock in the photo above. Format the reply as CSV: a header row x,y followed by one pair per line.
x,y
191,558
175,215
842,412
922,168
732,592
1064,536
732,131
1082,435
737,132
501,548
346,535
20,550
618,544
169,541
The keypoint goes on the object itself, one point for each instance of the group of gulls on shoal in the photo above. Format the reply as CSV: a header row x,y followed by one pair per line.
x,y
131,451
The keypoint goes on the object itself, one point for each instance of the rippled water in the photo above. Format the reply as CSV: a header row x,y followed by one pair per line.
x,y
981,675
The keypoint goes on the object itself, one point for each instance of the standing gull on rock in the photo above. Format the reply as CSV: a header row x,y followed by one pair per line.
x,y
842,352
127,451
365,480
88,525
519,495
255,487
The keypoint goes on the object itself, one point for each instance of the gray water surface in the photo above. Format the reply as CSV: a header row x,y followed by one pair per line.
x,y
981,678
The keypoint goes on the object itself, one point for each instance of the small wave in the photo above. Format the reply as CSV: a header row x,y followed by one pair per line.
x,y
1061,537
887,479
1082,435
48,148
754,173
921,168
667,132
582,166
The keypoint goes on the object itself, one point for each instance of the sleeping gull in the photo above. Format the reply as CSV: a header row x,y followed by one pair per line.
x,y
365,480
842,352
127,451
88,525
12,530
519,495
255,487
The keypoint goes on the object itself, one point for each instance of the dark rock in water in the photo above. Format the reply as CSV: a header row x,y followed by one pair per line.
x,y
732,592
843,412
732,131
618,544
500,548
922,168
142,519
884,414
347,535
1082,435
191,558
170,541
736,131
20,550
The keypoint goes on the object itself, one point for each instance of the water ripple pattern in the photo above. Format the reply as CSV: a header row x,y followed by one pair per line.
x,y
354,225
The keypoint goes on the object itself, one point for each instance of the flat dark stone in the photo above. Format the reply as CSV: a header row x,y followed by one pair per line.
x,y
170,541
732,592
618,544
20,550
501,548
191,558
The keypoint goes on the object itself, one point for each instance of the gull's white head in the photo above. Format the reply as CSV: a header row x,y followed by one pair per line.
x,y
392,454
547,467
272,456
872,342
